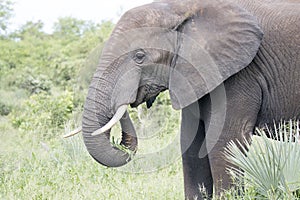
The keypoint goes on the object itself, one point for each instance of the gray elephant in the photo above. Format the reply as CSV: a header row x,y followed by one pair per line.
x,y
229,65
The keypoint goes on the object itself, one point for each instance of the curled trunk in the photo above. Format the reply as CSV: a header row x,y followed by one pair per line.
x,y
95,116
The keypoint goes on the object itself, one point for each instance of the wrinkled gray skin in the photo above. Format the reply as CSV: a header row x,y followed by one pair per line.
x,y
229,66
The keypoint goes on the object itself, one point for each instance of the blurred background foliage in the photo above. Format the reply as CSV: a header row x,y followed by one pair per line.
x,y
40,72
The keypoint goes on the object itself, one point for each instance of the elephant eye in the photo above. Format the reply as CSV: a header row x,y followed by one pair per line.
x,y
139,57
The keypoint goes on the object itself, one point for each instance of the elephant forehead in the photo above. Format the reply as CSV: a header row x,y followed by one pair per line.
x,y
142,38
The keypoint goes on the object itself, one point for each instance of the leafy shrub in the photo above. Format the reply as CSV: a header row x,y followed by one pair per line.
x,y
42,110
271,166
66,71
36,84
6,12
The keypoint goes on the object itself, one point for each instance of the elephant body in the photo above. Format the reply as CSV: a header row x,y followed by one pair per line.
x,y
230,66
276,65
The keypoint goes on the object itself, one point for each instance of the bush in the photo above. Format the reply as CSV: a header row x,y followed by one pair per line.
x,y
66,72
42,110
36,85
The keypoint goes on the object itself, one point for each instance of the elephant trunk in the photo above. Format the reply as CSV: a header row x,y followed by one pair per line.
x,y
97,115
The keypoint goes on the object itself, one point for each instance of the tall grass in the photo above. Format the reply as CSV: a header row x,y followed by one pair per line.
x,y
63,170
34,166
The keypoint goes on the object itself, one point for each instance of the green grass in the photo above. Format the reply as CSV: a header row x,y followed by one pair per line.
x,y
35,167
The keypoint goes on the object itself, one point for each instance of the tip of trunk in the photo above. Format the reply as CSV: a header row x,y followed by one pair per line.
x,y
113,154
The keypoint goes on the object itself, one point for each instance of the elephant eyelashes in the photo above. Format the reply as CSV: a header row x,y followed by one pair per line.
x,y
139,57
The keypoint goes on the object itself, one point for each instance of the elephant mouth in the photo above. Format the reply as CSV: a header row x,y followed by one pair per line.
x,y
149,101
147,94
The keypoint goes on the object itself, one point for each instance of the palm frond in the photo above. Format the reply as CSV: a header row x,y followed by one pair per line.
x,y
272,165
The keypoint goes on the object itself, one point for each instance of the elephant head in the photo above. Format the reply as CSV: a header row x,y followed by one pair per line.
x,y
188,47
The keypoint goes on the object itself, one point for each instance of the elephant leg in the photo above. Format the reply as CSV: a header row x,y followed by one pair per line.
x,y
196,170
239,113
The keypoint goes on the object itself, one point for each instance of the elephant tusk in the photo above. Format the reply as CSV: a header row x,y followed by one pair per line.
x,y
119,114
72,133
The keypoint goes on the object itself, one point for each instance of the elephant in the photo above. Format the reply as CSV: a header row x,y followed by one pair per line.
x,y
229,66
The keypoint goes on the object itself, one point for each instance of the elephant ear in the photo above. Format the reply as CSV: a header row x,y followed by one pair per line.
x,y
215,40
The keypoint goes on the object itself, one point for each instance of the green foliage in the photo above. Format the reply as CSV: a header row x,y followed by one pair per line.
x,y
8,54
30,31
35,84
71,27
42,110
29,54
271,166
5,14
45,67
